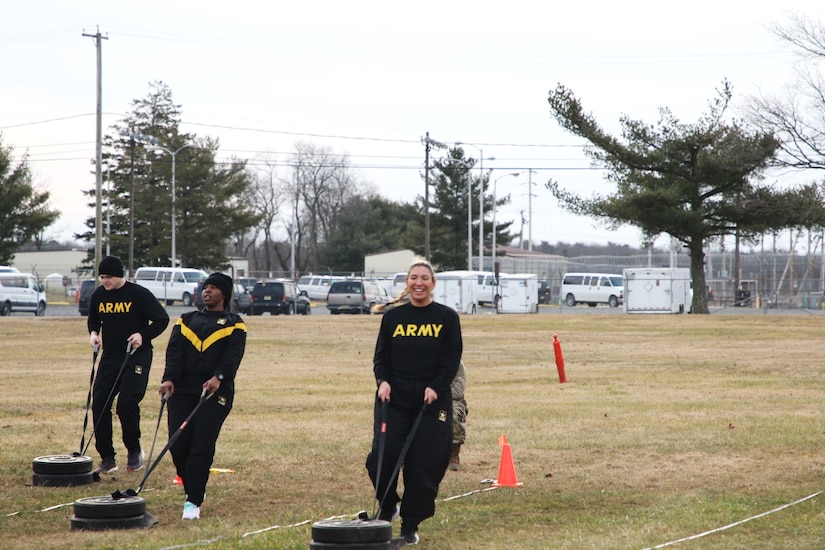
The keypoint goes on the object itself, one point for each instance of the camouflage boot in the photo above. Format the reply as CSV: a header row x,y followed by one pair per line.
x,y
455,463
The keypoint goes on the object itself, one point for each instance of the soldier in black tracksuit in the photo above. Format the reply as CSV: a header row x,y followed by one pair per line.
x,y
121,312
416,358
204,353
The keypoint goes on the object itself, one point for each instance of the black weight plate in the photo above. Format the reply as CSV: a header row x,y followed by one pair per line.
x,y
351,530
108,507
100,524
387,545
61,480
62,464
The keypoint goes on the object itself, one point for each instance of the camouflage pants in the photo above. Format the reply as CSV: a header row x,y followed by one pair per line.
x,y
460,411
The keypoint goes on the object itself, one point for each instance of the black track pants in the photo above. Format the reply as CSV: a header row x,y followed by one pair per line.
x,y
129,393
194,450
425,462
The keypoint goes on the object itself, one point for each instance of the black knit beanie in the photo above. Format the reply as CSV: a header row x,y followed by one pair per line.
x,y
223,282
110,265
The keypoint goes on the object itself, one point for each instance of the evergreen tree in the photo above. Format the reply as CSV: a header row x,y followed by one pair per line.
x,y
138,194
448,210
694,182
369,225
24,212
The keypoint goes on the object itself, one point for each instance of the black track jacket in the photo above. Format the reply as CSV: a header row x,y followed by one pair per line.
x,y
204,344
419,344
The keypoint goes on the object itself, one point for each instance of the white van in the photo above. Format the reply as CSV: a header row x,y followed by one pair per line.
x,y
317,286
21,292
171,284
592,289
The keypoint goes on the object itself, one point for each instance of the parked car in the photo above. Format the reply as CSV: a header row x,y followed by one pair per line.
x,y
317,286
240,298
545,294
247,282
85,293
278,298
355,296
171,284
21,292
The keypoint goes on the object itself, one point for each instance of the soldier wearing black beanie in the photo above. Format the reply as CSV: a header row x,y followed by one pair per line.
x,y
203,355
121,313
224,283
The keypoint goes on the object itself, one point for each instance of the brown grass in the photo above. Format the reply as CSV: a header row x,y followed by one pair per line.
x,y
668,426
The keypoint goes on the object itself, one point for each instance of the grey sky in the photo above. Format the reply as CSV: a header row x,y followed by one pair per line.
x,y
370,78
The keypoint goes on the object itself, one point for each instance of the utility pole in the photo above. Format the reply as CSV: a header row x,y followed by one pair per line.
x,y
97,37
427,197
132,209
530,210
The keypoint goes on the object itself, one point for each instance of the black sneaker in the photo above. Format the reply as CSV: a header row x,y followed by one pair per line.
x,y
407,539
106,466
134,461
409,534
389,514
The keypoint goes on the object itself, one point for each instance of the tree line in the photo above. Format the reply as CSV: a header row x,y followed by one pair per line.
x,y
696,182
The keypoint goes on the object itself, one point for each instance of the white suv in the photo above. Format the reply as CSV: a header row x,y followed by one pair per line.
x,y
355,296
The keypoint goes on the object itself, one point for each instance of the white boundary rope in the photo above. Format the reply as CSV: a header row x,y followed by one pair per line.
x,y
734,524
470,493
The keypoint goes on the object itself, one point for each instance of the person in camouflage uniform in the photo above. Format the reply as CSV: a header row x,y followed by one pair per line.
x,y
459,415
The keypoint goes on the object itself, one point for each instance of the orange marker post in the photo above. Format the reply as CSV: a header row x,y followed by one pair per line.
x,y
559,359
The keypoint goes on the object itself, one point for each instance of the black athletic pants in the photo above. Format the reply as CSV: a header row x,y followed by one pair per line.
x,y
194,450
129,392
426,460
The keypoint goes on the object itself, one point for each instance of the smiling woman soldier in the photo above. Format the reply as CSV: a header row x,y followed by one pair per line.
x,y
416,358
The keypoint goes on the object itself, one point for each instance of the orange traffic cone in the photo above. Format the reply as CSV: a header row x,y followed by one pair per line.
x,y
506,469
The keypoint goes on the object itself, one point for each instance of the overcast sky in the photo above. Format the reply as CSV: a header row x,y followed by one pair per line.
x,y
369,79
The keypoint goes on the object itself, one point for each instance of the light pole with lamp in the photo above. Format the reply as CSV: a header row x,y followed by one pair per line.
x,y
495,274
530,208
173,154
480,211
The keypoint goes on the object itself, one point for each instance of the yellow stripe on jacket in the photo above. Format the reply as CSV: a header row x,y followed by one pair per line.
x,y
190,335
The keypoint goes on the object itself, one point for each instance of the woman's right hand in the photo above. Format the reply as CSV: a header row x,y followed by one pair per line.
x,y
165,388
384,391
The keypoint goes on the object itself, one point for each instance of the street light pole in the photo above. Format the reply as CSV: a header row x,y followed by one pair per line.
x,y
480,211
428,144
530,209
495,277
174,154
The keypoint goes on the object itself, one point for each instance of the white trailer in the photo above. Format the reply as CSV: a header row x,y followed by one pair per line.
x,y
458,290
518,293
657,290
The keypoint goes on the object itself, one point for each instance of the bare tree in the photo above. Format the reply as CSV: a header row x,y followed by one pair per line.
x,y
268,196
323,183
797,116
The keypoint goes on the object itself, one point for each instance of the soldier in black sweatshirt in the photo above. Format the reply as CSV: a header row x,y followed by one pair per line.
x,y
416,358
121,312
204,353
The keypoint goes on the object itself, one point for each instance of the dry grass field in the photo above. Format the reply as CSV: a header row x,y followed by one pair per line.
x,y
667,427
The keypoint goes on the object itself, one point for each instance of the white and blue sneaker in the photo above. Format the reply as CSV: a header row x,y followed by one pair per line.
x,y
190,511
